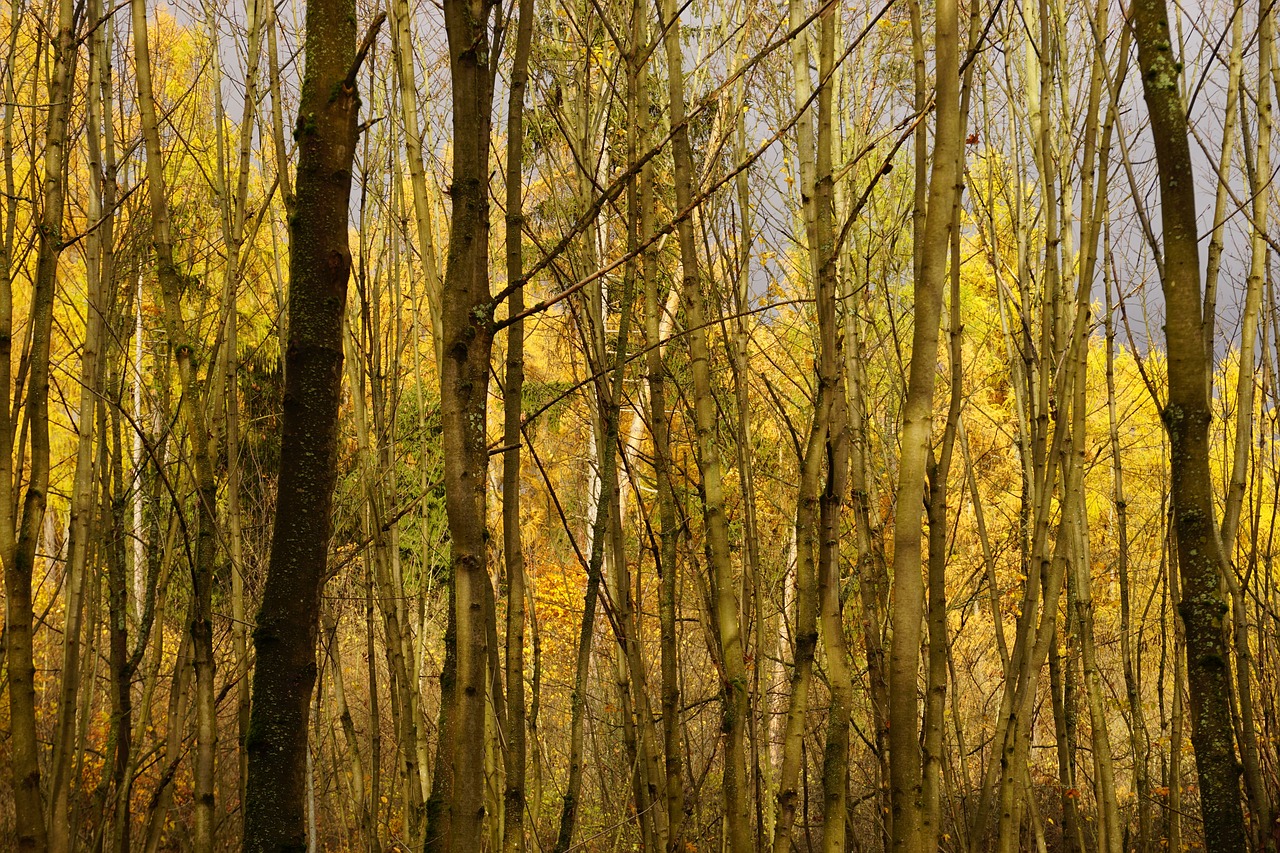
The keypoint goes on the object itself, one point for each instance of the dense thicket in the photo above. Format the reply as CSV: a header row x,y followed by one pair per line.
x,y
597,424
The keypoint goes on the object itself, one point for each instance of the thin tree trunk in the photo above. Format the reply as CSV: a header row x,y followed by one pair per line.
x,y
658,322
805,531
725,606
628,610
365,817
939,470
1173,812
83,508
377,475
162,796
602,530
1140,738
1230,124
402,50
1260,175
753,584
835,761
121,663
18,546
515,798
234,214
193,410
870,569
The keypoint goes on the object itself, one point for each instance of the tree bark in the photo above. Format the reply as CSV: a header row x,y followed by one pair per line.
x,y
515,798
319,265
1186,417
917,423
98,271
467,332
725,605
18,546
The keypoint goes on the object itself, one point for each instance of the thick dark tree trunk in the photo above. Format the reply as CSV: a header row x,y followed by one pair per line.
x,y
1187,418
319,266
456,821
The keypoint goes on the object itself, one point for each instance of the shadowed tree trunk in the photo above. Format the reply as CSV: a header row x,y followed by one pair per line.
x,y
319,265
810,463
1186,417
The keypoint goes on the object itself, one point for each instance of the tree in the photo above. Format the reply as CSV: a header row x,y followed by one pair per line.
x,y
467,331
285,634
1186,417
908,584
18,542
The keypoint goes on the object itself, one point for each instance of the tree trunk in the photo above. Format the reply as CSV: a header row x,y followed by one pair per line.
x,y
234,213
725,605
1186,417
515,798
193,410
319,266
917,423
18,545
1259,798
83,510
467,332
807,512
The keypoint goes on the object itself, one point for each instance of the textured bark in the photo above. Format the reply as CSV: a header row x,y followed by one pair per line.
x,y
467,338
1186,417
319,265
